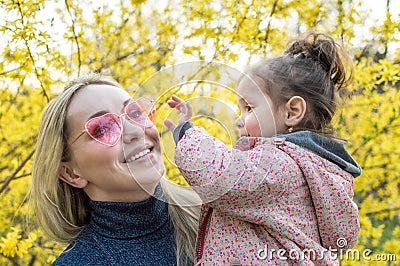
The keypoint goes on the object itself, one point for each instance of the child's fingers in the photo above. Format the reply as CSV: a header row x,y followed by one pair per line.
x,y
176,104
170,125
189,110
176,98
186,112
172,103
183,107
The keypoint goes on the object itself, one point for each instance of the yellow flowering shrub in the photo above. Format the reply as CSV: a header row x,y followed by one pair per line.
x,y
46,43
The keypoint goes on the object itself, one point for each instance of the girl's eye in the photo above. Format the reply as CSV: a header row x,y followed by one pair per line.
x,y
249,108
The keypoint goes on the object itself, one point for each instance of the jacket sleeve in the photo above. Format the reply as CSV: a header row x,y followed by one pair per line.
x,y
232,180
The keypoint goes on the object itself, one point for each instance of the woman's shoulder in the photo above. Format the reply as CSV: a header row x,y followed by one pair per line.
x,y
82,251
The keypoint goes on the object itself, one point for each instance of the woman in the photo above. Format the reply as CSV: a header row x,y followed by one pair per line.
x,y
96,181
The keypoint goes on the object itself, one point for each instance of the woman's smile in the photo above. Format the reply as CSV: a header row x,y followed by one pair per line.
x,y
140,154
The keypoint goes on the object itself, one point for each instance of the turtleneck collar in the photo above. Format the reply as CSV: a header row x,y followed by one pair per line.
x,y
124,220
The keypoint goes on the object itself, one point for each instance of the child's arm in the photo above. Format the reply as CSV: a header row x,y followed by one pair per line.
x,y
230,179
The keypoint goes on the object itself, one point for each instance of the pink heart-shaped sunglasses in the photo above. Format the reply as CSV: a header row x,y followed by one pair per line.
x,y
107,128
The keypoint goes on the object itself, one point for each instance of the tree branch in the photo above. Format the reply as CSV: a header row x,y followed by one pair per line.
x,y
383,211
31,56
11,70
17,177
273,9
75,37
13,175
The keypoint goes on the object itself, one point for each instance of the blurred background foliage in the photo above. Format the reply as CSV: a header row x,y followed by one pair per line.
x,y
46,43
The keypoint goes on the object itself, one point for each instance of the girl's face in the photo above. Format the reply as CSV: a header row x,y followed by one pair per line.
x,y
259,117
106,174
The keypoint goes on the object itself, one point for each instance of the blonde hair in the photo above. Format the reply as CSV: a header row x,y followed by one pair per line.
x,y
62,210
184,211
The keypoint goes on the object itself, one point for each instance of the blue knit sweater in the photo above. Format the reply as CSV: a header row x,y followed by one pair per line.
x,y
122,233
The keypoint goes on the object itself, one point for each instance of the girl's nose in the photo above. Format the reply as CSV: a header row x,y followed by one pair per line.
x,y
239,122
131,131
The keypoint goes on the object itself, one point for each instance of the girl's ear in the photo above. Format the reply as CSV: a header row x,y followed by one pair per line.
x,y
68,175
295,109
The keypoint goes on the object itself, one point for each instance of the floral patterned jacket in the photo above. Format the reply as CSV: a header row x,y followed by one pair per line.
x,y
269,201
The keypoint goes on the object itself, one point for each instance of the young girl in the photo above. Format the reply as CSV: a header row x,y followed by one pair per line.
x,y
284,194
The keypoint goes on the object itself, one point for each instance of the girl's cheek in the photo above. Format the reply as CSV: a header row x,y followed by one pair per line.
x,y
252,125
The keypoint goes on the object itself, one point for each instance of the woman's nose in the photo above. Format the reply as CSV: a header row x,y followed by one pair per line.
x,y
131,130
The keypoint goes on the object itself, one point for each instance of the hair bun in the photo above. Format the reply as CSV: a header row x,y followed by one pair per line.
x,y
322,49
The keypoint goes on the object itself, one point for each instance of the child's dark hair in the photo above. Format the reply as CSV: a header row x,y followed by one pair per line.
x,y
314,67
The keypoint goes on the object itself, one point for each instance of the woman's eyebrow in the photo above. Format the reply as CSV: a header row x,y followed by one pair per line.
x,y
99,113
102,112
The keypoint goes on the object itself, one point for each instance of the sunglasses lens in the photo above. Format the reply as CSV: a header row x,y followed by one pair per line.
x,y
106,129
142,112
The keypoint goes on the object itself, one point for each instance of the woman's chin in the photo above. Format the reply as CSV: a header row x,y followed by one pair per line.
x,y
147,175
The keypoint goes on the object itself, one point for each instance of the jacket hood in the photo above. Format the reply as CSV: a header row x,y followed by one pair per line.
x,y
327,148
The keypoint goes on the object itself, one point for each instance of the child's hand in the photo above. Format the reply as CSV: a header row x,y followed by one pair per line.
x,y
184,109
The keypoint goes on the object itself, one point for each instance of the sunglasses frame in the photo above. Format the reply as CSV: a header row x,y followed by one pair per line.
x,y
149,116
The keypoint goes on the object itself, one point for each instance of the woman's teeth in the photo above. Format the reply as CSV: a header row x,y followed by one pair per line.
x,y
138,155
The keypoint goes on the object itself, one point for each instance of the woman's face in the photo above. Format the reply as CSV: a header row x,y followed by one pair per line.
x,y
104,172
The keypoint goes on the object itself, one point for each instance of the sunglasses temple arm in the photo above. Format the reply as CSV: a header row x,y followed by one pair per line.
x,y
72,142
